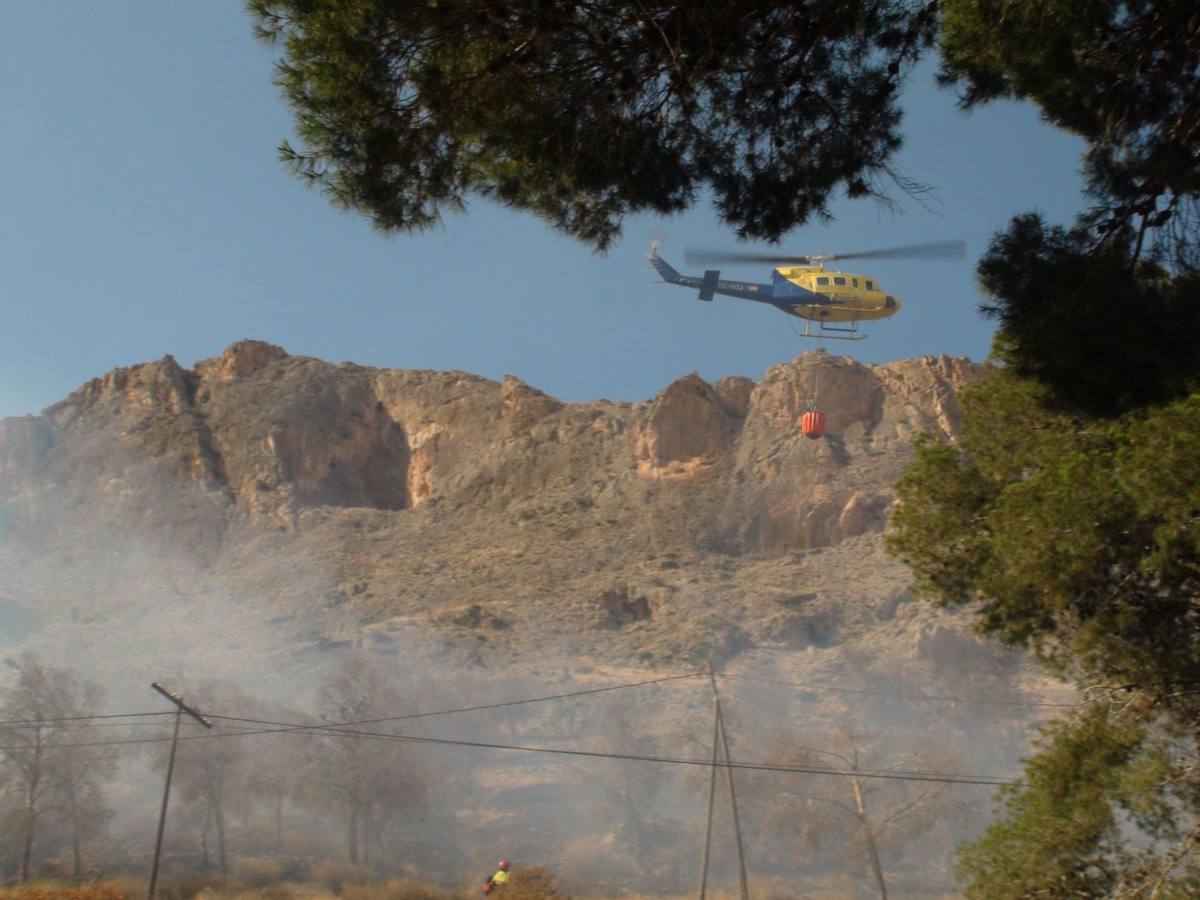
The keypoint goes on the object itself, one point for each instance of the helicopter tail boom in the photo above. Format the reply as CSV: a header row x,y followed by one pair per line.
x,y
710,285
706,286
664,268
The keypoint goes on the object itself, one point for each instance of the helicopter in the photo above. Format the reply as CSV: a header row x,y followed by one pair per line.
x,y
831,303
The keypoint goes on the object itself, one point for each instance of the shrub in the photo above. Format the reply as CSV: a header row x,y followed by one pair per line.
x,y
257,872
534,883
182,884
338,875
131,887
397,889
48,890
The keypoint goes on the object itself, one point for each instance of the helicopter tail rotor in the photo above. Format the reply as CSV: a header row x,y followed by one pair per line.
x,y
664,269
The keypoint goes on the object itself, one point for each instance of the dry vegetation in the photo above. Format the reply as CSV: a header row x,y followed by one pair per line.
x,y
328,880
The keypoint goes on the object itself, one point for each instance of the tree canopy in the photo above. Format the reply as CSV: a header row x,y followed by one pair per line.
x,y
1078,535
1067,515
585,112
1121,74
1104,330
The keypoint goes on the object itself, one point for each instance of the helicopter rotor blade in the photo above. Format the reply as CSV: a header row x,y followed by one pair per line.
x,y
693,257
931,250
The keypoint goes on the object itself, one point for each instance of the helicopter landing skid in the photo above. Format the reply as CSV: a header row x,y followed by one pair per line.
x,y
830,332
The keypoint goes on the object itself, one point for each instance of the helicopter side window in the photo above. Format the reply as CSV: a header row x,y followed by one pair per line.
x,y
870,285
822,279
854,282
841,281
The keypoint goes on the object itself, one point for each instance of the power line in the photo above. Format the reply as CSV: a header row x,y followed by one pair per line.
x,y
143,724
836,689
888,774
440,712
332,731
482,706
294,727
133,715
335,729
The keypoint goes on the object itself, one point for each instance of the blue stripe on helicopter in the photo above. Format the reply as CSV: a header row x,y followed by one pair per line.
x,y
781,293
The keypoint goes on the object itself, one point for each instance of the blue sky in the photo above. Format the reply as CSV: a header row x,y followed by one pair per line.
x,y
143,212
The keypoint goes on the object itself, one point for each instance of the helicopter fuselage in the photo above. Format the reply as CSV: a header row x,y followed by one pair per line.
x,y
808,292
814,292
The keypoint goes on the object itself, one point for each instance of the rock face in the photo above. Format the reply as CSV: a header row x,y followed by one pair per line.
x,y
364,496
258,433
261,516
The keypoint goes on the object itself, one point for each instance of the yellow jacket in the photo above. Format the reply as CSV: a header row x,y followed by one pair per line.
x,y
501,877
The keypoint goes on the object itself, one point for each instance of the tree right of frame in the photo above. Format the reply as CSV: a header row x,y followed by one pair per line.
x,y
1068,515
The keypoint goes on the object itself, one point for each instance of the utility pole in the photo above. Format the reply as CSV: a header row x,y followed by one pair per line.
x,y
712,793
180,709
737,825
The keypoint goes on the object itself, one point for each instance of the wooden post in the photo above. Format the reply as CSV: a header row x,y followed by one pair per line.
x,y
712,792
743,882
180,709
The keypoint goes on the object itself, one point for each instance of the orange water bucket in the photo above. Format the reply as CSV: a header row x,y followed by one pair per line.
x,y
812,424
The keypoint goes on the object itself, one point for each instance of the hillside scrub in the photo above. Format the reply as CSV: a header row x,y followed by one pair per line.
x,y
530,883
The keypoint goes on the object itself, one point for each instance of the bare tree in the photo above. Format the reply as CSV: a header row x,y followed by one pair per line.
x,y
866,817
213,772
277,767
44,755
77,786
371,779
631,787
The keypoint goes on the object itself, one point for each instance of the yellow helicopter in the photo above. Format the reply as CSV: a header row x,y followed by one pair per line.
x,y
832,303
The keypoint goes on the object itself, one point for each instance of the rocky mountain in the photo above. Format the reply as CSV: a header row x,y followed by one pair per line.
x,y
260,513
444,503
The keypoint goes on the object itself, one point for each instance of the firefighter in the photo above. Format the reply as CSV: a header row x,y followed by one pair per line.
x,y
499,879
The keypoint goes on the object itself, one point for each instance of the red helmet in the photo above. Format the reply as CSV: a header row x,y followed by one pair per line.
x,y
504,865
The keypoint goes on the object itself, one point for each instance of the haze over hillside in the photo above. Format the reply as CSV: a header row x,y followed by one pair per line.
x,y
260,515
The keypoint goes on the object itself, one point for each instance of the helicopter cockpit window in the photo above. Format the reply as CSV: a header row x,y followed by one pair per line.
x,y
870,285
841,281
821,279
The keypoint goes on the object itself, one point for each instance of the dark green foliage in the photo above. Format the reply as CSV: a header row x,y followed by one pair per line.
x,y
584,113
1078,535
1121,74
1098,799
1102,330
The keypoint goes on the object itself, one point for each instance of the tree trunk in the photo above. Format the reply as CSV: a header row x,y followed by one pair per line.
x,y
31,788
77,855
204,858
635,821
353,832
27,843
869,838
219,818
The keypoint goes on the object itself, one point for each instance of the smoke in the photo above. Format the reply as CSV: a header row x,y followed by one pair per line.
x,y
602,824
258,624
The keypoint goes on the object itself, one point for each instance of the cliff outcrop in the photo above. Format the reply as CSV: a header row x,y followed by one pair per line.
x,y
347,502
